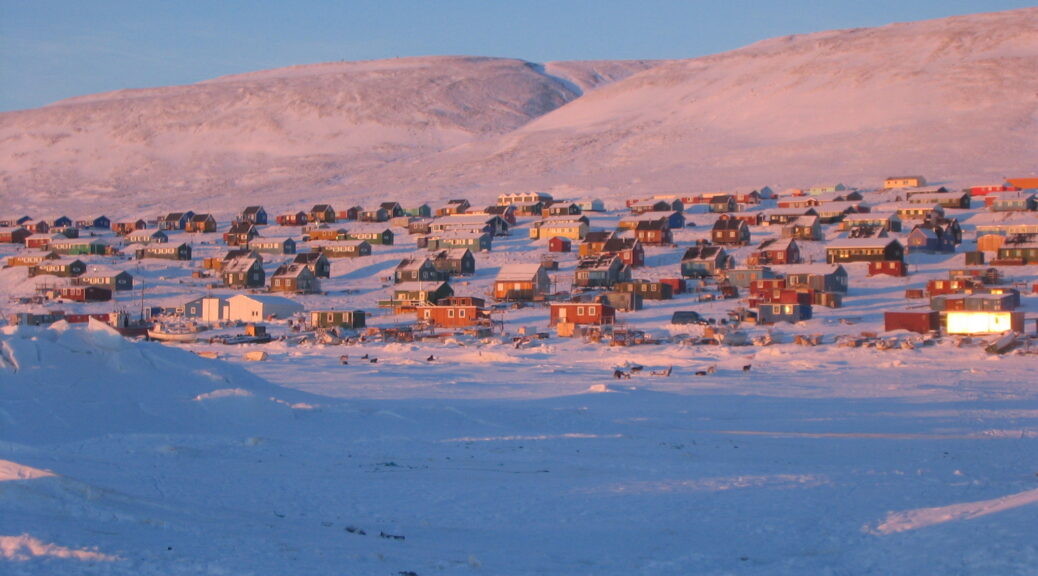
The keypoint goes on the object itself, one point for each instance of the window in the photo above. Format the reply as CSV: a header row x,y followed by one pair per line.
x,y
461,313
592,311
580,310
428,313
450,312
330,317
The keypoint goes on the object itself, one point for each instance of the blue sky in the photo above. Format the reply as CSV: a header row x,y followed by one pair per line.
x,y
54,49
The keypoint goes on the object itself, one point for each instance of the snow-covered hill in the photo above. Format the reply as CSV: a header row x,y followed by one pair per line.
x,y
279,132
954,99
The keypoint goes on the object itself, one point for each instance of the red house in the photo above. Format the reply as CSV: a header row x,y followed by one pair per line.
x,y
455,312
293,219
888,267
559,244
763,285
86,293
912,320
775,251
594,313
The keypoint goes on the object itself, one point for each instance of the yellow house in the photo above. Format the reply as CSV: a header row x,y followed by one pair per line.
x,y
904,182
573,229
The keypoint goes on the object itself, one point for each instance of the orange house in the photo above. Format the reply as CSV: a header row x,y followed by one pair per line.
x,y
527,282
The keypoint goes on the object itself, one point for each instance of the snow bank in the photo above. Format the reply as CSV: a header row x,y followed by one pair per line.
x,y
77,382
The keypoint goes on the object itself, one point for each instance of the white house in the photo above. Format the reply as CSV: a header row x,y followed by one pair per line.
x,y
256,308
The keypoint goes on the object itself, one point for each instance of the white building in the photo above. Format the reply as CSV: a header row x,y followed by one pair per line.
x,y
256,308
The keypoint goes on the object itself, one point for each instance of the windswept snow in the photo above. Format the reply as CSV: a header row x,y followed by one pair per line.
x,y
24,547
923,517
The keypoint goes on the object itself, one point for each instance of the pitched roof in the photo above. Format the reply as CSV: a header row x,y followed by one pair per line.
x,y
518,272
705,252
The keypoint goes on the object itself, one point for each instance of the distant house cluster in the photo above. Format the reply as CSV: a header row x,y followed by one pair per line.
x,y
781,254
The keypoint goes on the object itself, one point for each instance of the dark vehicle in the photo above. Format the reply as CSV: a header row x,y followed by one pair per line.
x,y
688,317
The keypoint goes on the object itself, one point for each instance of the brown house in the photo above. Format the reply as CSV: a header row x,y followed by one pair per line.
x,y
653,232
322,213
731,231
293,219
240,234
124,228
647,289
201,223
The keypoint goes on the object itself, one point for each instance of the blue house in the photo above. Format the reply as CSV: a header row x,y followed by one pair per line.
x,y
772,313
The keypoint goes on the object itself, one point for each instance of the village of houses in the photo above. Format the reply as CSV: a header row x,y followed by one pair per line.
x,y
827,264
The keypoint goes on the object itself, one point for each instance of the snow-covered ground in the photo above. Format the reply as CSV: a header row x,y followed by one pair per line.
x,y
123,457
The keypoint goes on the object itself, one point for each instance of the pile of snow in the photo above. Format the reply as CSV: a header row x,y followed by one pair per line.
x,y
67,382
